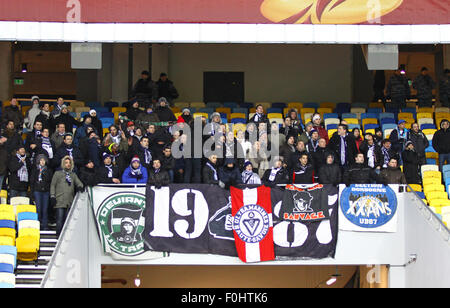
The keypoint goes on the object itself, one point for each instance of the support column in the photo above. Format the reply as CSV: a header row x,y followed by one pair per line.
x,y
104,75
5,71
140,60
160,60
119,82
447,56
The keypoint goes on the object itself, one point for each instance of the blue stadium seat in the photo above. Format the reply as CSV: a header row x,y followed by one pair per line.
x,y
375,110
274,110
360,105
311,105
106,115
371,126
213,105
388,126
349,116
27,216
6,268
230,105
238,120
386,115
246,105
369,116
387,121
111,105
93,105
330,116
101,109
353,126
240,110
206,110
84,113
332,126
428,126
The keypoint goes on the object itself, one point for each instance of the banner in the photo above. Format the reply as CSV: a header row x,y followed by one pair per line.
x,y
199,219
368,208
120,221
383,12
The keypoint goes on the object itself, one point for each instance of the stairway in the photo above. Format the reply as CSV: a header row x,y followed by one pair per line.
x,y
30,274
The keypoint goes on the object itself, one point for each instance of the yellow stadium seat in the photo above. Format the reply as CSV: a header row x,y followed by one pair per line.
x,y
181,105
265,105
177,114
433,187
423,115
25,208
275,116
323,110
437,203
425,110
27,248
105,131
442,110
175,109
239,127
405,115
432,174
118,109
8,216
224,110
31,232
7,241
331,132
200,114
304,111
352,121
237,116
376,105
6,208
328,105
8,232
432,155
436,195
431,181
415,187
370,131
436,210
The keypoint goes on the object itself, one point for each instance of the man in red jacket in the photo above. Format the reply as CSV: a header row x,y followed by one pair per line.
x,y
316,120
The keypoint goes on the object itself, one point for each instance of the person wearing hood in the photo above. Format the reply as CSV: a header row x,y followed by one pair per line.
x,y
40,181
420,142
163,111
95,121
248,176
133,111
135,173
108,173
32,113
65,183
65,118
360,173
229,173
13,113
166,88
330,173
157,176
277,175
392,174
356,132
19,173
148,117
441,143
411,164
185,117
303,171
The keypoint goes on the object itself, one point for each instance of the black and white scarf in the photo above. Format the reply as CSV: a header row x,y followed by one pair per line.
x,y
22,173
216,178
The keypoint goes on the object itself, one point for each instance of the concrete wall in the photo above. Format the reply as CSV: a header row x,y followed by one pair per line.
x,y
272,72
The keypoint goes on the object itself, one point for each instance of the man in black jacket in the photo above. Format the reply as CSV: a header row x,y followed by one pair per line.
x,y
13,139
398,88
441,143
343,146
13,113
166,89
157,176
303,171
360,173
372,152
420,142
19,178
145,90
276,175
330,173
259,116
108,173
229,173
67,149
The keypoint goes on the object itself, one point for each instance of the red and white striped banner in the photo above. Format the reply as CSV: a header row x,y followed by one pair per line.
x,y
253,223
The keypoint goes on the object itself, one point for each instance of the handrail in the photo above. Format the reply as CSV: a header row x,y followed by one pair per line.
x,y
441,226
52,262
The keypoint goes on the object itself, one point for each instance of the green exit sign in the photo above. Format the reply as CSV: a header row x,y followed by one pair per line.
x,y
19,81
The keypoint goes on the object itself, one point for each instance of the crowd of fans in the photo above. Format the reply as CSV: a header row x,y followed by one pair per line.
x,y
61,155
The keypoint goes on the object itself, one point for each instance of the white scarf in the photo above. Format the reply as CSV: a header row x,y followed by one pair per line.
x,y
22,173
214,170
273,174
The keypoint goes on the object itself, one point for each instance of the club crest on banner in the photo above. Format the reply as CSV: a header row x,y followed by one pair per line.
x,y
251,223
369,207
121,223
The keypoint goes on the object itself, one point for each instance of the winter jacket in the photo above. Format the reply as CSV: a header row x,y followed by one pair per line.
x,y
165,114
167,89
63,151
420,142
14,166
398,139
158,178
129,178
208,174
378,156
350,151
398,87
391,175
444,86
230,176
62,190
14,141
303,174
46,179
31,115
360,174
133,113
102,174
3,158
145,88
68,121
12,113
250,178
424,85
47,120
89,176
282,177
411,166
441,140
330,174
144,119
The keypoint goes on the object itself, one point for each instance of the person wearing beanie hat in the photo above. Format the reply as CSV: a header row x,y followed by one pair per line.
x,y
40,181
135,173
316,119
67,119
107,173
165,114
95,121
248,176
411,164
